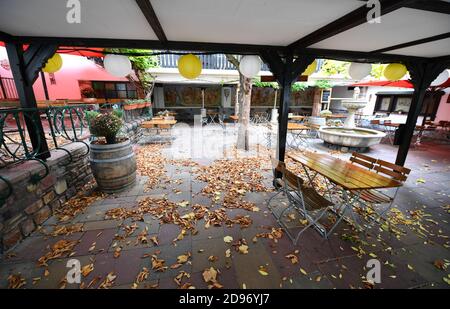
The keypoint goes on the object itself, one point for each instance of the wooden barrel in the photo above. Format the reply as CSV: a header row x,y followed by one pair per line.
x,y
113,166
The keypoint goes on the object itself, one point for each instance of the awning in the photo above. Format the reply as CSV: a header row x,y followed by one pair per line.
x,y
78,51
398,84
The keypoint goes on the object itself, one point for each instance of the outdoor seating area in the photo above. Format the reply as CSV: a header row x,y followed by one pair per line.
x,y
243,146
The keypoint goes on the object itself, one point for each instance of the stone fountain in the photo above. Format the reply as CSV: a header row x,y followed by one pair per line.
x,y
349,136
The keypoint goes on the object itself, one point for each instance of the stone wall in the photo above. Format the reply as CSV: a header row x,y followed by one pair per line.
x,y
31,204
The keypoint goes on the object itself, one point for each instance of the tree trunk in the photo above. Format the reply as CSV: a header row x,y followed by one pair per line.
x,y
244,113
243,104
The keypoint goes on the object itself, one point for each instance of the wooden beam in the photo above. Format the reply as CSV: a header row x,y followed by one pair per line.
x,y
357,56
436,6
5,37
147,9
414,43
285,71
431,6
346,22
243,49
422,75
24,76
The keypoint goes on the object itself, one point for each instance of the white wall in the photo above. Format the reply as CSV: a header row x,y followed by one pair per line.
x,y
443,112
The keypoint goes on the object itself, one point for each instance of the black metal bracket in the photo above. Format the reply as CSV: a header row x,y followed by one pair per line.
x,y
422,75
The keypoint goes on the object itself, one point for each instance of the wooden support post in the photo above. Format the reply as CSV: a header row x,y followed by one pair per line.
x,y
44,84
25,67
286,70
422,75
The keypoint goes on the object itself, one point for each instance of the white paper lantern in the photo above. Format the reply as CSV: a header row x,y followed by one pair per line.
x,y
117,65
250,66
358,71
442,78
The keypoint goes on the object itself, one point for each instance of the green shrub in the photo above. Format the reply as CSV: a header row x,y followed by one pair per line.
x,y
326,113
106,125
118,113
90,115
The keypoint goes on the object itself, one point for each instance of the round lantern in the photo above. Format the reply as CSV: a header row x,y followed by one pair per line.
x,y
250,66
189,66
53,64
395,71
442,78
311,68
359,70
117,65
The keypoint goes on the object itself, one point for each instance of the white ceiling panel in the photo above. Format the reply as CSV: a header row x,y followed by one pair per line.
x,y
400,26
432,49
99,19
269,22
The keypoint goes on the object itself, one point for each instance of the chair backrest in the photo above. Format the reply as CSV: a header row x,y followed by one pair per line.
x,y
314,126
363,160
277,165
291,179
392,170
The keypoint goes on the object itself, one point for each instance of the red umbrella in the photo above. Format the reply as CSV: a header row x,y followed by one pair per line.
x,y
398,83
385,83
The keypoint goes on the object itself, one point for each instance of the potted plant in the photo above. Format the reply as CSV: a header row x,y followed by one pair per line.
x,y
88,95
112,159
320,120
140,103
129,105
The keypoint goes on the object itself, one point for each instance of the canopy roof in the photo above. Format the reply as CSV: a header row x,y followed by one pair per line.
x,y
327,28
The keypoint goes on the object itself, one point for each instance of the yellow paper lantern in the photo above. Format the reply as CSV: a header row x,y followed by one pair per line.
x,y
54,64
189,66
310,69
395,71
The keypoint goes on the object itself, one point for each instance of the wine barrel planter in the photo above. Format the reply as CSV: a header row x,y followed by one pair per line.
x,y
113,166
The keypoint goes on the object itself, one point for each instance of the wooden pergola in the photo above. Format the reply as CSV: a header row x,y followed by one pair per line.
x,y
287,34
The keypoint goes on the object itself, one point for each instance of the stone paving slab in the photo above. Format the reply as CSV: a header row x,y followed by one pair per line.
x,y
339,262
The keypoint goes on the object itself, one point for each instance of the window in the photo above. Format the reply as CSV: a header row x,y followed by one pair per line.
x,y
385,104
402,105
114,90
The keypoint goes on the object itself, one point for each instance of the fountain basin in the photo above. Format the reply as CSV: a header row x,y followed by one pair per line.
x,y
351,137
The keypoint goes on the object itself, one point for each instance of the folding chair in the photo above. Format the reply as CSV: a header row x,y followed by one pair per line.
x,y
378,197
314,130
363,160
305,200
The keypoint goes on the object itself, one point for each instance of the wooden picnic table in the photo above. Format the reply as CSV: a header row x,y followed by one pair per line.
x,y
336,116
293,126
297,117
157,122
343,173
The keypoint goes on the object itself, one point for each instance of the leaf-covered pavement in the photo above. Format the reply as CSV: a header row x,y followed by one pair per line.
x,y
199,224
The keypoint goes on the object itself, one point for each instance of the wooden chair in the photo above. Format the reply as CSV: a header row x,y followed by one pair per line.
x,y
376,197
363,160
375,123
305,200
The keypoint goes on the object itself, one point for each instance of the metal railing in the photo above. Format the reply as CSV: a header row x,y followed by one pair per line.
x,y
214,62
61,125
